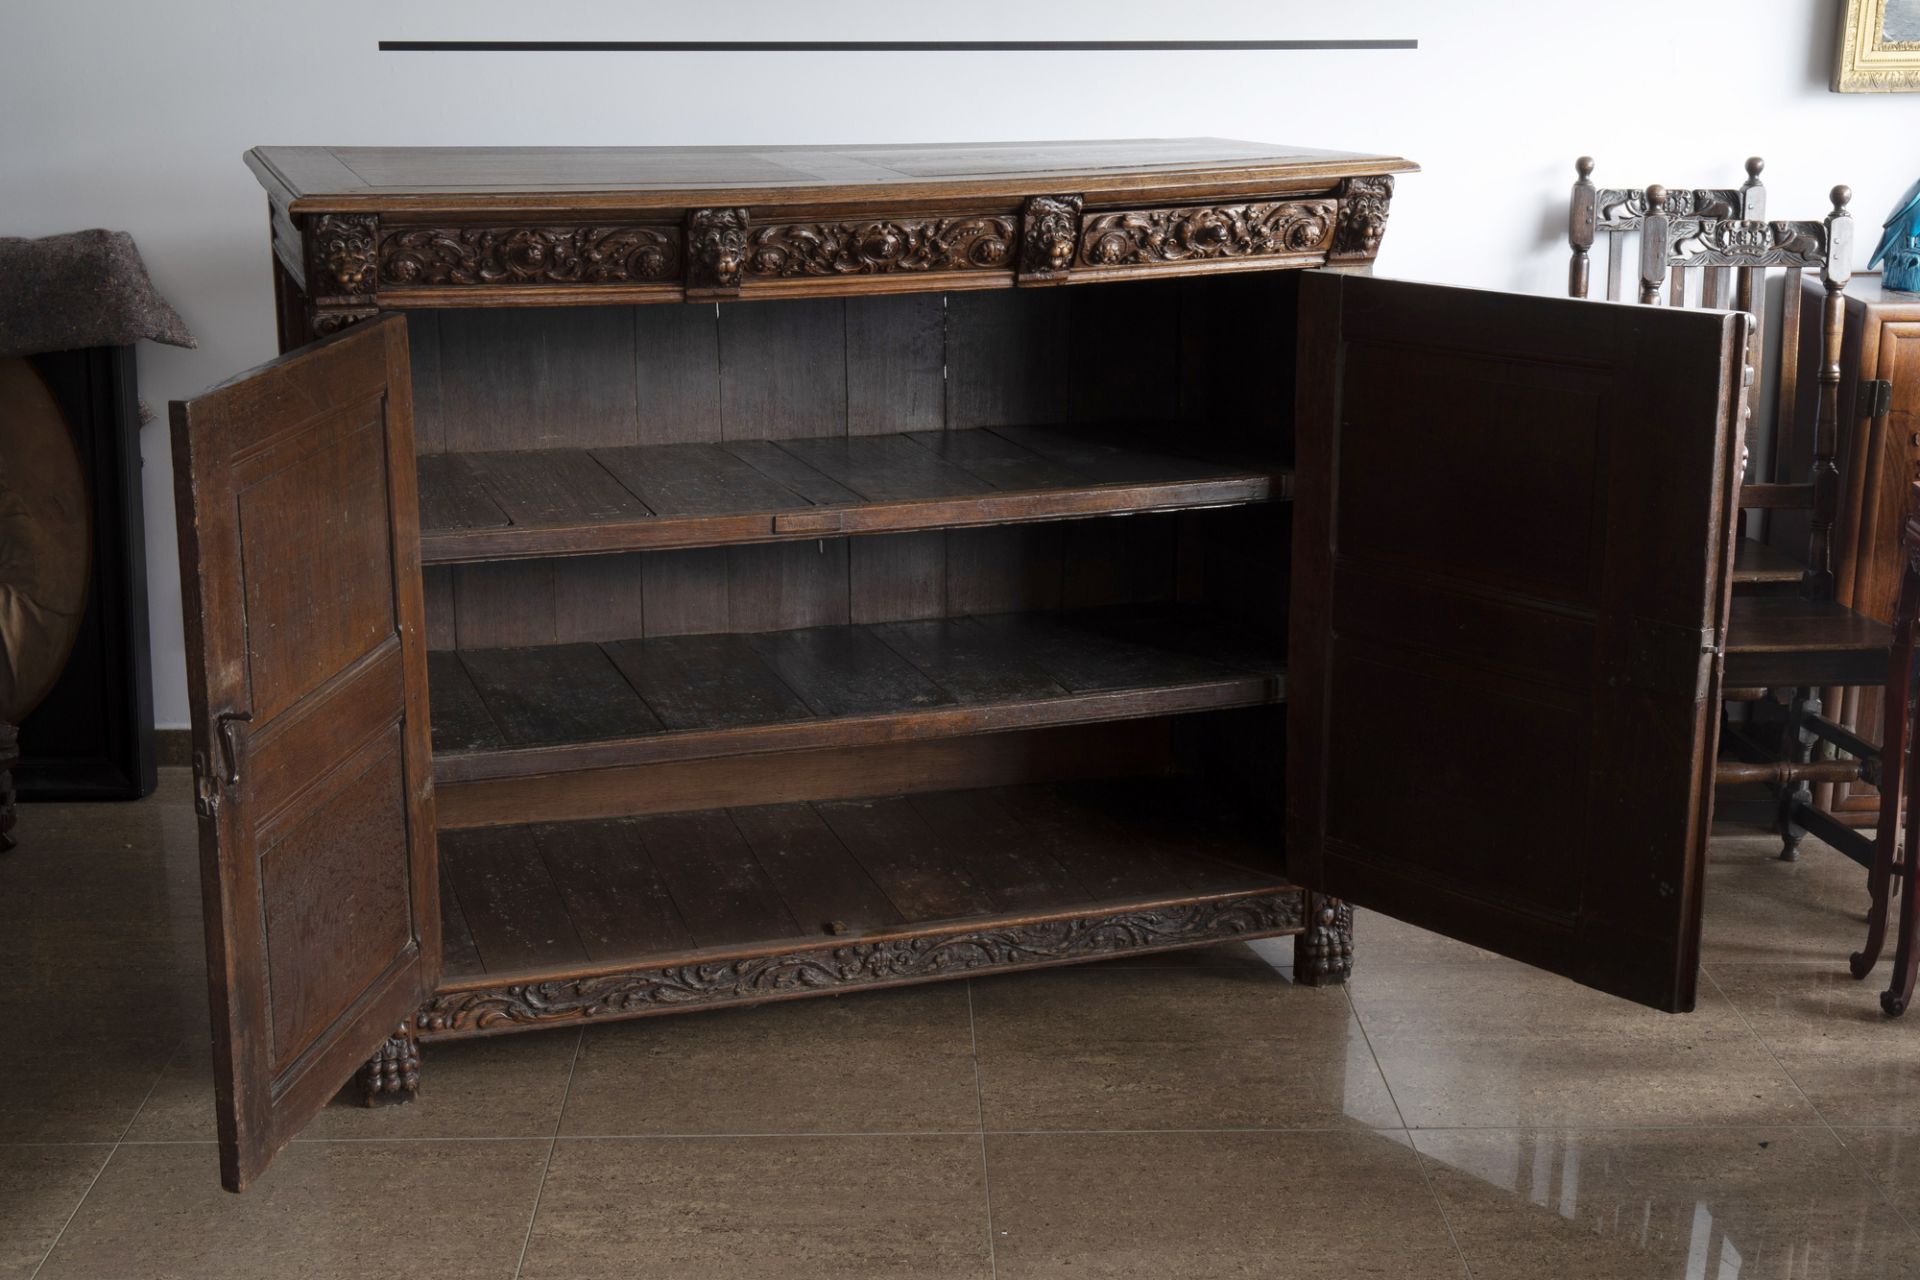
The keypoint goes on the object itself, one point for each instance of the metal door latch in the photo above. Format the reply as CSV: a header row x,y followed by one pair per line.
x,y
207,782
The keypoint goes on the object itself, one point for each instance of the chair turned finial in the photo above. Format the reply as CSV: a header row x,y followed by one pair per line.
x,y
1754,165
1841,196
1580,223
1653,246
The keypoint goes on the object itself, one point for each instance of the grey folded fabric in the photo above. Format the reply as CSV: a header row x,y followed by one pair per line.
x,y
81,289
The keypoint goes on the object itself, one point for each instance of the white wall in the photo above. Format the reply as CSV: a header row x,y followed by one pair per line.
x,y
133,115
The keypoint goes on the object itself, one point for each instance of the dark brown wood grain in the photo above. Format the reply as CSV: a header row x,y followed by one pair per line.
x,y
526,712
1565,626
634,892
308,688
778,650
543,502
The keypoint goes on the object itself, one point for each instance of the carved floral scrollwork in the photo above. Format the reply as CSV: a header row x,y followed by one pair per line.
x,y
327,321
1622,207
856,964
874,248
1735,243
1205,232
1363,216
716,248
1050,230
340,254
529,255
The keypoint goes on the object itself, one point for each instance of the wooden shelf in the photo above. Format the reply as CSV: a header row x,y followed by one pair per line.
x,y
523,903
546,502
501,713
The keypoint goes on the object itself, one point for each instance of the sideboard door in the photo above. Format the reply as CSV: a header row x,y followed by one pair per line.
x,y
1512,549
300,550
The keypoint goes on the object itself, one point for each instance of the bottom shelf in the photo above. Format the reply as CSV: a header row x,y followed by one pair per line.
x,y
612,918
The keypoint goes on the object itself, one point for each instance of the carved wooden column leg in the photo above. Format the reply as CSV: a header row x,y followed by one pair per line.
x,y
1799,746
1323,954
9,754
393,1074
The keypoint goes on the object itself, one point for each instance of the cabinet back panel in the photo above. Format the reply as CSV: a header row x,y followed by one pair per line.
x,y
590,377
780,586
1123,748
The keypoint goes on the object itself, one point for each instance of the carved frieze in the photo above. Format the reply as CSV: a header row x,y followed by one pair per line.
x,y
340,255
1049,232
879,247
1733,243
1621,208
856,964
1205,232
1363,216
529,255
716,249
333,320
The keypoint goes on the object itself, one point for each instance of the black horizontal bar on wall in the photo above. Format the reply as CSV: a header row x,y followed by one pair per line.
x,y
873,46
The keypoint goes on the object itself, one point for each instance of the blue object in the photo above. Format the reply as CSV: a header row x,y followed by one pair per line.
x,y
1900,245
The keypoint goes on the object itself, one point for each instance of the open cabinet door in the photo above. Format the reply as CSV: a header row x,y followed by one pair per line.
x,y
300,548
1513,539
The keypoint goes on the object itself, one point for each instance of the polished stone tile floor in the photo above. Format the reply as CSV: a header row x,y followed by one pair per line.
x,y
1177,1118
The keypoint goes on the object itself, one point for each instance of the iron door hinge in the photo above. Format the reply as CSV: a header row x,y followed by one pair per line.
x,y
1664,658
1878,393
206,786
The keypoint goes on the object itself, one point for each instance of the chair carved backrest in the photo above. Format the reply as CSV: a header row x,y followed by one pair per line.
x,y
1617,211
1720,234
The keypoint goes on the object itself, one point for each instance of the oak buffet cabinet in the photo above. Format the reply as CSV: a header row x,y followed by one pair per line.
x,y
653,579
1879,461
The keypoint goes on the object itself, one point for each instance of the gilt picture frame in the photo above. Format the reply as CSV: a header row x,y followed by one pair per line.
x,y
1879,47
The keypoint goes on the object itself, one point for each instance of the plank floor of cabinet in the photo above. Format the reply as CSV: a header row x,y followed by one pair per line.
x,y
502,713
542,502
535,902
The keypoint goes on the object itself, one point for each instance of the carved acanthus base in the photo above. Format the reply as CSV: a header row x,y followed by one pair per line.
x,y
392,1075
852,965
1323,954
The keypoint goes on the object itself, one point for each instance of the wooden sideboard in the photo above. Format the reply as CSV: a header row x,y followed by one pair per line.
x,y
837,567
1879,461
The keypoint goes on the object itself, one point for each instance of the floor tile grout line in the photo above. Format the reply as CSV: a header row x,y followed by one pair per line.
x,y
118,1142
1854,1156
1379,1068
980,1109
553,1140
1419,1158
1581,1126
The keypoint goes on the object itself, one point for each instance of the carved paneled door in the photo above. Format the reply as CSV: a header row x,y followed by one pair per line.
x,y
1512,548
307,672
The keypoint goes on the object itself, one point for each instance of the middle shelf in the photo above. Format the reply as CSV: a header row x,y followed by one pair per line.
x,y
517,504
505,713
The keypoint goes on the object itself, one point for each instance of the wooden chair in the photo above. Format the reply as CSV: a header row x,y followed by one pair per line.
x,y
1617,213
1899,784
1786,637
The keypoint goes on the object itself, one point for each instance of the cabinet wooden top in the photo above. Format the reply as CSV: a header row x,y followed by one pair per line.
x,y
360,229
372,179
